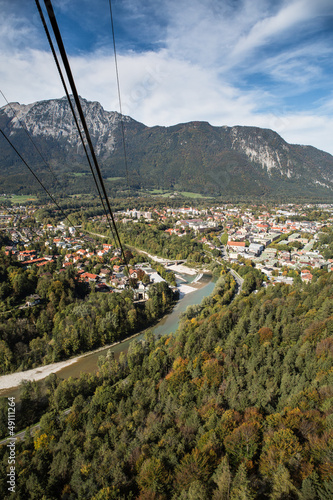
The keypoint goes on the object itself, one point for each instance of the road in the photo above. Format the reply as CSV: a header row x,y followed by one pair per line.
x,y
32,431
239,280
21,435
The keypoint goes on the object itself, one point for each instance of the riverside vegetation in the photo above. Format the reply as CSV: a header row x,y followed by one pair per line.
x,y
70,318
155,241
236,405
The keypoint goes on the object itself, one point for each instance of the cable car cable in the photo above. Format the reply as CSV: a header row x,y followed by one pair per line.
x,y
30,137
71,107
119,96
56,31
35,176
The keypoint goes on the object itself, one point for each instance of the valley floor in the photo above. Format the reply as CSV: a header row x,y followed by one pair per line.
x,y
13,380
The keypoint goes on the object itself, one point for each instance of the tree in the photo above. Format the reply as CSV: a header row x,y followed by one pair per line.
x,y
196,491
6,357
240,489
242,443
30,397
153,476
281,483
222,477
145,279
279,447
250,283
195,466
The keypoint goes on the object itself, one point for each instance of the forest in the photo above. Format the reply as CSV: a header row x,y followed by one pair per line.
x,y
155,241
237,404
325,243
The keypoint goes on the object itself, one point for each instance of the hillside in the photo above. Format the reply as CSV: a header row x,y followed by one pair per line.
x,y
192,156
236,405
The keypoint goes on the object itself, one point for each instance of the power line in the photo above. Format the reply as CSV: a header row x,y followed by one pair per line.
x,y
119,95
71,107
30,137
63,54
35,176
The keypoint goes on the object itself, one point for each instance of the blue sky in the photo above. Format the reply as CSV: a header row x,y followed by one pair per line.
x,y
229,62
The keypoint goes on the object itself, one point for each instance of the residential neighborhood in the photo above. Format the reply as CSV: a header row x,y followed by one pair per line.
x,y
279,241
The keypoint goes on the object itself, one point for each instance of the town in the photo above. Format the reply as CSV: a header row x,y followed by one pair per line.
x,y
281,242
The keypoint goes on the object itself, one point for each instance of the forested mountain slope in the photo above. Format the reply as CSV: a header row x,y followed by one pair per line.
x,y
236,405
195,156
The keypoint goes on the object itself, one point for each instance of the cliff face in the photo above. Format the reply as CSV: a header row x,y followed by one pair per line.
x,y
54,120
192,156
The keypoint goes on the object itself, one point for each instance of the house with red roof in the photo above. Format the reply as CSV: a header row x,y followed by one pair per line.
x,y
44,263
236,244
306,276
89,277
263,227
133,273
26,255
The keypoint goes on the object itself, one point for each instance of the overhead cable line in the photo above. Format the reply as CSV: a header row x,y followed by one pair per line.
x,y
72,108
55,57
65,61
36,177
30,137
119,95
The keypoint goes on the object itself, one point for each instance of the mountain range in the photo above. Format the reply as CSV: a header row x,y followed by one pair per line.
x,y
196,156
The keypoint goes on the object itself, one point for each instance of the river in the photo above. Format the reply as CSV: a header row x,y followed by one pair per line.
x,y
168,324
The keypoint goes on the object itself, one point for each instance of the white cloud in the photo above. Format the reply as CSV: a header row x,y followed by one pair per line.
x,y
29,76
270,27
157,89
210,48
298,66
308,129
286,22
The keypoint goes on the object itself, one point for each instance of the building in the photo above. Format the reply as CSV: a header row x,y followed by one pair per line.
x,y
236,245
256,248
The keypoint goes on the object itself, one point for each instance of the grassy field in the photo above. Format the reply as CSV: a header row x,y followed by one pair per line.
x,y
81,195
188,194
113,179
158,191
18,198
167,194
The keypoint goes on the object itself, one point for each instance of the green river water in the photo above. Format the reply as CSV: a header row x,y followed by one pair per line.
x,y
168,324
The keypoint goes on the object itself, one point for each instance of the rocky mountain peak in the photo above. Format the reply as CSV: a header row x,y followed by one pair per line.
x,y
193,156
53,119
265,147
